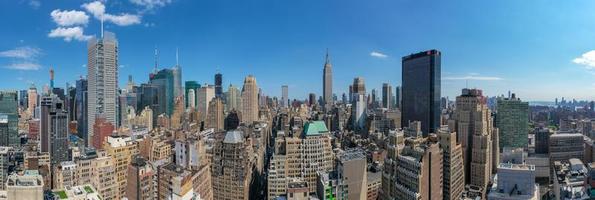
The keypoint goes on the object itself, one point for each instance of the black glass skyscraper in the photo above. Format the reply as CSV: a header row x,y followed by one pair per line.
x,y
421,90
218,85
80,109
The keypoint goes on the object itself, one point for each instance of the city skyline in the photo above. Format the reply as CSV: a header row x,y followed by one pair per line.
x,y
475,54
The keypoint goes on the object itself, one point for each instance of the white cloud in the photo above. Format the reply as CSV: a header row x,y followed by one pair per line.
x,y
69,34
378,54
28,66
69,18
35,4
24,52
587,59
151,4
123,19
472,77
97,9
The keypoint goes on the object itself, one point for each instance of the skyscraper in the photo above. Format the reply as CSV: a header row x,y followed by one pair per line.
x,y
191,98
218,85
177,76
32,100
358,112
164,80
421,90
387,94
191,85
23,99
358,87
215,115
102,68
54,129
476,134
512,118
121,149
249,100
284,96
419,171
9,119
140,179
204,96
232,171
327,82
233,98
352,174
454,175
290,161
359,104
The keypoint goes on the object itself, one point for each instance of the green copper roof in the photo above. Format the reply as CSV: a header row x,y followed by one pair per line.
x,y
315,128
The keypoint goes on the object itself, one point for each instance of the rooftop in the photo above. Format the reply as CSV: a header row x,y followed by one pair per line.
x,y
86,192
234,136
315,128
517,166
352,154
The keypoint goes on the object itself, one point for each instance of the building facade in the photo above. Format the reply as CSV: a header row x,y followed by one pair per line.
x,y
421,89
102,68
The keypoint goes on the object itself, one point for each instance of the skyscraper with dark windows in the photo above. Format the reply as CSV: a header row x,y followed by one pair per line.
x,y
164,80
421,89
219,85
9,119
80,109
54,128
148,96
23,98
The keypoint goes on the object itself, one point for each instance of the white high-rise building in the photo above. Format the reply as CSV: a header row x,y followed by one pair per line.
x,y
102,68
359,111
206,93
191,98
234,98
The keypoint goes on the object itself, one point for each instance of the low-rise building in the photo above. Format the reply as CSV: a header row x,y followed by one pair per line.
x,y
570,180
514,182
28,185
80,192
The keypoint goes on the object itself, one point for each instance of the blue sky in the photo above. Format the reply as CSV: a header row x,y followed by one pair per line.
x,y
538,49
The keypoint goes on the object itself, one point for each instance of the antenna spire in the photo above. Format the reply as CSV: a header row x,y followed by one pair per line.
x,y
327,59
156,60
101,25
177,60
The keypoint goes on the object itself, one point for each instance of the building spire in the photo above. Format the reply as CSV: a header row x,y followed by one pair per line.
x,y
102,26
177,61
327,60
156,60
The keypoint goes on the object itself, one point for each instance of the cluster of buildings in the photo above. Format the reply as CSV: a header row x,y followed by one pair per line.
x,y
174,139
